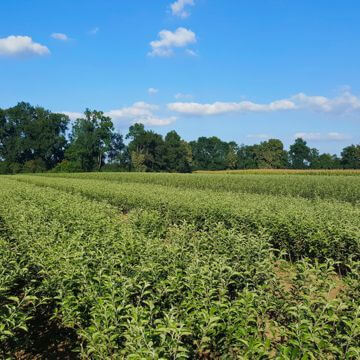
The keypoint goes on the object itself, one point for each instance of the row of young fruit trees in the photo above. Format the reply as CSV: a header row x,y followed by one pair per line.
x,y
166,266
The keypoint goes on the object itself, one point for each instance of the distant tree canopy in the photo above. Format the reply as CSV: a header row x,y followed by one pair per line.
x,y
210,153
33,139
350,157
92,140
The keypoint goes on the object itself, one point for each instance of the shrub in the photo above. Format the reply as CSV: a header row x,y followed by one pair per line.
x,y
67,167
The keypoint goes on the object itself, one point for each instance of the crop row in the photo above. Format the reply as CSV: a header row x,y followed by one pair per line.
x,y
341,188
137,287
326,172
317,229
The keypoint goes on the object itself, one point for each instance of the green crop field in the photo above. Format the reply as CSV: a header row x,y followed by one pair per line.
x,y
254,265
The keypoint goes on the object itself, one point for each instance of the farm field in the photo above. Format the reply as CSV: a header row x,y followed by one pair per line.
x,y
256,265
327,172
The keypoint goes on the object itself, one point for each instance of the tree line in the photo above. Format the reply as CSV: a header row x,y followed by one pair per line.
x,y
33,139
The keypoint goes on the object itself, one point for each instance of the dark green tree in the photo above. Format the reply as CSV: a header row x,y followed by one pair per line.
x,y
145,149
176,154
232,155
325,161
209,153
271,155
299,154
247,157
350,157
32,134
91,140
116,148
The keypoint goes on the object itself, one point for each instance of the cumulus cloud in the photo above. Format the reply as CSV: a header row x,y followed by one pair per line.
x,y
60,36
21,45
169,40
72,114
141,112
153,91
345,102
315,136
178,7
342,104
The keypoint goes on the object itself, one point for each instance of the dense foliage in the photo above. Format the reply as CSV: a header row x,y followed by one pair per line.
x,y
320,228
33,139
165,266
342,187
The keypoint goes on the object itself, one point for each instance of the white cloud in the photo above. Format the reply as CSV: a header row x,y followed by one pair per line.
x,y
21,45
258,136
169,40
191,52
315,136
73,115
219,108
153,91
345,102
59,36
94,31
178,7
182,96
342,104
138,109
140,112
157,121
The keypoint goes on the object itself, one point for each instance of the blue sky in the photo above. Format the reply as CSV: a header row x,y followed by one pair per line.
x,y
242,70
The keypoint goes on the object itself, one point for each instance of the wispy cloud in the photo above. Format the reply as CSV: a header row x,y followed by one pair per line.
x,y
179,96
169,40
21,45
258,136
140,112
153,91
191,52
60,36
315,136
178,7
218,108
342,104
94,31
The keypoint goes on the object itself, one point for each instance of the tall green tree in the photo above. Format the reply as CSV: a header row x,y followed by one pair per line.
x,y
232,155
247,157
299,154
350,157
176,154
92,140
209,153
324,161
32,134
116,149
145,148
271,154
